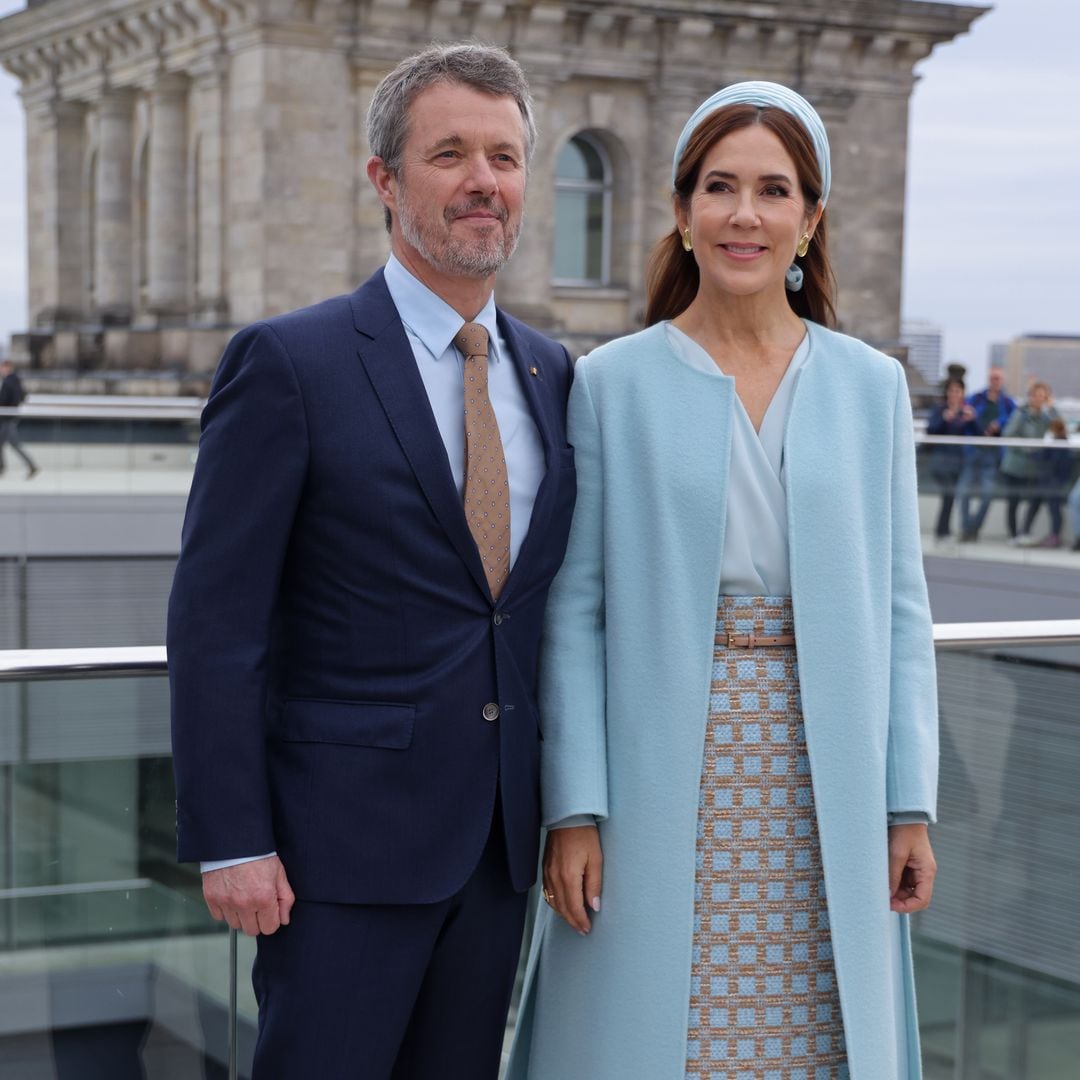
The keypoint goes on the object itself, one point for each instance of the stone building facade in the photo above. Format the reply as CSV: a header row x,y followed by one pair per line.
x,y
194,165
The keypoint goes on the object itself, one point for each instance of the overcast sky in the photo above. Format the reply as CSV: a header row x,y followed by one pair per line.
x,y
993,180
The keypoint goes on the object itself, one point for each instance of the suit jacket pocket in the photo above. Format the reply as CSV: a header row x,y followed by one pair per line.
x,y
388,725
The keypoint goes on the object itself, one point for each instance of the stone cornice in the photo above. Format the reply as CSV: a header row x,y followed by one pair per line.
x,y
73,48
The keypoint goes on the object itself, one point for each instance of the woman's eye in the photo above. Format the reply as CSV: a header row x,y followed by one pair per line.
x,y
717,185
777,190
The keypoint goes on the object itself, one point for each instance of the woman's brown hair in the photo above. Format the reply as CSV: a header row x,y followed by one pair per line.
x,y
672,277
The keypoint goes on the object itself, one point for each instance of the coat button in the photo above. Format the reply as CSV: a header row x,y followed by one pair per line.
x,y
497,618
491,711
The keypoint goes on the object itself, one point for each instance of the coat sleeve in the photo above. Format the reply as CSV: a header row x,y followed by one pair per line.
x,y
912,766
573,654
245,492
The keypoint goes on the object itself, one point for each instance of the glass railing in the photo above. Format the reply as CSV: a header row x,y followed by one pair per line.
x,y
104,446
1014,499
998,952
106,948
107,951
973,498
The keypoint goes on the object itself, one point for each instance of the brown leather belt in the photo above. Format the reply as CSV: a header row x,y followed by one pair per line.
x,y
754,641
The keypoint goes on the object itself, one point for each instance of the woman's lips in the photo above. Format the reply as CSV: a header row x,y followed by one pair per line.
x,y
743,251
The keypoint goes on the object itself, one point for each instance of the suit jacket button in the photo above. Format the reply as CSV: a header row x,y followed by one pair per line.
x,y
491,711
497,618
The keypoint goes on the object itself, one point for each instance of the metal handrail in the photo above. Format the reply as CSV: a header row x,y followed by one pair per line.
x,y
950,636
100,663
126,661
996,440
51,411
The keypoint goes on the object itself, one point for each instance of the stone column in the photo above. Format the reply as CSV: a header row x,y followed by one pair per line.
x,y
114,284
55,133
166,289
208,264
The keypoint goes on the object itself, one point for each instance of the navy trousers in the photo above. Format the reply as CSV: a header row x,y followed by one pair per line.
x,y
395,992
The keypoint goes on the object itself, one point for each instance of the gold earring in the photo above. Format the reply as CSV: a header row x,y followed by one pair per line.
x,y
803,246
687,243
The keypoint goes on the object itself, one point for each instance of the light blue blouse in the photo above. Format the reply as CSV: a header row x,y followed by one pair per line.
x,y
755,561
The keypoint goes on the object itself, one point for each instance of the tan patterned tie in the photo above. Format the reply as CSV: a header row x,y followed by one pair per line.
x,y
487,490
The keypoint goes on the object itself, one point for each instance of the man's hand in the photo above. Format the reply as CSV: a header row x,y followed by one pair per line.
x,y
573,867
254,896
911,868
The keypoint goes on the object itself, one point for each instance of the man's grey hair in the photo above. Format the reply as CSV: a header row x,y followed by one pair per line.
x,y
486,68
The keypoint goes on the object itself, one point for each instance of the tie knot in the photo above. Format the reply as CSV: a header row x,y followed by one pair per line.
x,y
472,340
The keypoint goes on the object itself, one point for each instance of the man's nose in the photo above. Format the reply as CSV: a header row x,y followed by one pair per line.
x,y
481,176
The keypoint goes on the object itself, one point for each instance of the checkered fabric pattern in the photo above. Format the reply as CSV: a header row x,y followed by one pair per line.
x,y
763,1002
487,486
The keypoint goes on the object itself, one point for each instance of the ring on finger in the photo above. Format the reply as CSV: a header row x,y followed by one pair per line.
x,y
549,897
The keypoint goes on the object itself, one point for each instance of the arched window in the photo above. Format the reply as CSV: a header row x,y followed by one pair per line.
x,y
582,213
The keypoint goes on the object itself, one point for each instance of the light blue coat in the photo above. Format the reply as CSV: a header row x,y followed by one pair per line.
x,y
625,680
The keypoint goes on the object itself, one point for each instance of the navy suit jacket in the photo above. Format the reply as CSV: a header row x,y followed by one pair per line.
x,y
332,639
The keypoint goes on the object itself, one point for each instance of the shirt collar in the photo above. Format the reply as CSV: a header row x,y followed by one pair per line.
x,y
430,318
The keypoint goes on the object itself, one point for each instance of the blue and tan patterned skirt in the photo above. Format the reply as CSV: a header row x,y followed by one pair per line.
x,y
763,999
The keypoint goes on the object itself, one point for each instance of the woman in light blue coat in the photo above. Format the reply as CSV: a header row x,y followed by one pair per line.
x,y
738,691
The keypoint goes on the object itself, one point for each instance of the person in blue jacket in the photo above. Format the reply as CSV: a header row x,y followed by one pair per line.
x,y
979,477
737,687
952,416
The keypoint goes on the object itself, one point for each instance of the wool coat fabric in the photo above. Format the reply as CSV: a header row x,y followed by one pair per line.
x,y
625,675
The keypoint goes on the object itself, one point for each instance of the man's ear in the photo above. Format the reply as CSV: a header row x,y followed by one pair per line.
x,y
383,181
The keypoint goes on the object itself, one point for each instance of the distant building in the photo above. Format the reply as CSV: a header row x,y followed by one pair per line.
x,y
1050,358
199,164
925,344
996,354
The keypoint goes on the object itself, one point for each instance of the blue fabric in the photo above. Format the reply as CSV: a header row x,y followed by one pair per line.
x,y
332,639
413,991
627,658
764,94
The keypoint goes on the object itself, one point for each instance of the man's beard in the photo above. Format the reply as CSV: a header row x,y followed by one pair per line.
x,y
480,257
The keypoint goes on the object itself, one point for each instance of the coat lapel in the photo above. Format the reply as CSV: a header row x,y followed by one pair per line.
x,y
388,360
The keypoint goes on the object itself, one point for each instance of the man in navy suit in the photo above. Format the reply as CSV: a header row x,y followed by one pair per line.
x,y
354,719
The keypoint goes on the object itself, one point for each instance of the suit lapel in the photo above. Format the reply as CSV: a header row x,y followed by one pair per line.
x,y
388,360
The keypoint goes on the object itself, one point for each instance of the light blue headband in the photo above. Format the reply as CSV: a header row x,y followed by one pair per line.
x,y
763,93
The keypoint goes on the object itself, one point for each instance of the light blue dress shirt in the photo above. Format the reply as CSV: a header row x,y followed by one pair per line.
x,y
431,325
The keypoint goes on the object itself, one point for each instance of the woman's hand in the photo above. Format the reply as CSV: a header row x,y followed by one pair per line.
x,y
573,870
911,868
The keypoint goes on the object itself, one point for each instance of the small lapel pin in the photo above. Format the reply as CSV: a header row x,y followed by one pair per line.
x,y
533,371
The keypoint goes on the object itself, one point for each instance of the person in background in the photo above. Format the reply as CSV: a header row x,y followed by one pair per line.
x,y
953,416
12,396
993,407
1056,463
1074,514
1021,466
